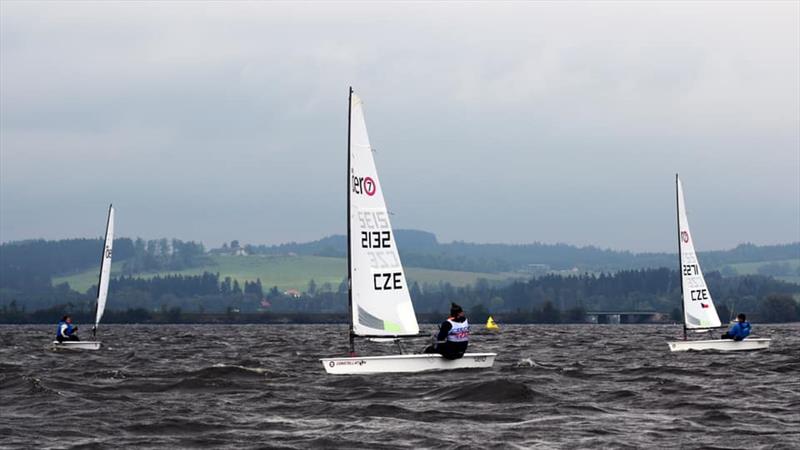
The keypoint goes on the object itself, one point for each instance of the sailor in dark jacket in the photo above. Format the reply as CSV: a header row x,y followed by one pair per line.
x,y
739,330
453,337
66,331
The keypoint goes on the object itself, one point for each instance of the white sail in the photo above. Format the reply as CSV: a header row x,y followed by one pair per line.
x,y
379,299
105,267
381,304
698,307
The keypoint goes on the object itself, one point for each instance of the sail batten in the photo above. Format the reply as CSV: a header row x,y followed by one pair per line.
x,y
380,304
105,268
698,306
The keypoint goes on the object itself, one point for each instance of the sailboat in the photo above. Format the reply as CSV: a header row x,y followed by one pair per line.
x,y
699,313
379,300
491,325
102,291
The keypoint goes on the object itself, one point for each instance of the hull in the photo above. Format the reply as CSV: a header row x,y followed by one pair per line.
x,y
405,363
76,345
723,345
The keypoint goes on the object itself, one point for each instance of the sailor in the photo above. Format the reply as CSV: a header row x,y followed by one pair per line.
x,y
453,336
66,331
739,330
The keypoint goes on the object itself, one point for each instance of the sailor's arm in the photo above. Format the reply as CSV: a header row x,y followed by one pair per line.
x,y
444,330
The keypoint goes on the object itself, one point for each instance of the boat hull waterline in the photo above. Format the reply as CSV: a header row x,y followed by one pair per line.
x,y
723,345
76,345
405,363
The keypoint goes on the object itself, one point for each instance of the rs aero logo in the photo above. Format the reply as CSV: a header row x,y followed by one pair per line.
x,y
364,185
685,236
359,362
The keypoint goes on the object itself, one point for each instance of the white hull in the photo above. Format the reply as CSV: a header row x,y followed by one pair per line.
x,y
76,345
723,345
707,330
405,363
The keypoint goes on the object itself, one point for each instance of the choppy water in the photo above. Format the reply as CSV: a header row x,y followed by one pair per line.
x,y
262,386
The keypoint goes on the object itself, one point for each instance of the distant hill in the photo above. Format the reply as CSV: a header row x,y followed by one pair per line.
x,y
336,245
31,264
285,272
422,249
166,273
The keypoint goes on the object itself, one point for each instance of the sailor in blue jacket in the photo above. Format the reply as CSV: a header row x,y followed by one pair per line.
x,y
66,331
739,330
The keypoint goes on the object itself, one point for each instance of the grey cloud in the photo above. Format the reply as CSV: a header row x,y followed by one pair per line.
x,y
512,122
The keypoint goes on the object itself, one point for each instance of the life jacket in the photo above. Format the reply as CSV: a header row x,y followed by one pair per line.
x,y
459,331
64,329
744,330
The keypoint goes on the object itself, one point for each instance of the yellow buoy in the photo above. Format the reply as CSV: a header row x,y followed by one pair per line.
x,y
491,325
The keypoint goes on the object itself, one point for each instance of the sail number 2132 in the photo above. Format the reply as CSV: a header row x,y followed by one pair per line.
x,y
376,239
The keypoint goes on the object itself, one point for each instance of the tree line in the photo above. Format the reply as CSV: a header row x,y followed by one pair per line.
x,y
163,254
550,298
422,249
32,264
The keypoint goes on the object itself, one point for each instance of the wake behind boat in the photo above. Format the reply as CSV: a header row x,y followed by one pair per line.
x,y
380,304
699,313
102,291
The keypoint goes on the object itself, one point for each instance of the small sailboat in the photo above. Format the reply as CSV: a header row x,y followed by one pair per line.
x,y
102,291
491,325
699,313
380,304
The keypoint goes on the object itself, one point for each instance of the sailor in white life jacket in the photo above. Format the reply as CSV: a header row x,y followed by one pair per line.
x,y
453,337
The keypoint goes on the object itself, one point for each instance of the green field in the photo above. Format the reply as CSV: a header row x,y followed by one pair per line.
x,y
752,268
286,272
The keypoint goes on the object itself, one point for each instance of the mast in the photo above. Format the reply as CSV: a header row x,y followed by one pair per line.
x,y
100,276
680,257
352,347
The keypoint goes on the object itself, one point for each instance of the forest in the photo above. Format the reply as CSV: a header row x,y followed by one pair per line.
x,y
422,249
27,269
550,298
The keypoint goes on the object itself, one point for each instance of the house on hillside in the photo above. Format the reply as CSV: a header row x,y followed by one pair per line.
x,y
234,249
240,251
294,293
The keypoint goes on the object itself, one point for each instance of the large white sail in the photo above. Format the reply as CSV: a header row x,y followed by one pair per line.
x,y
698,307
381,304
105,267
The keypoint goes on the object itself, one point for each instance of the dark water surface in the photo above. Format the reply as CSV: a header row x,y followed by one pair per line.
x,y
251,386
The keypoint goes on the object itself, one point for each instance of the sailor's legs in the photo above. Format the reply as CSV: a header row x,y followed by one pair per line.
x,y
449,350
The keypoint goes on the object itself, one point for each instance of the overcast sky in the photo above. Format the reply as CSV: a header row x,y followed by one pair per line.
x,y
513,122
